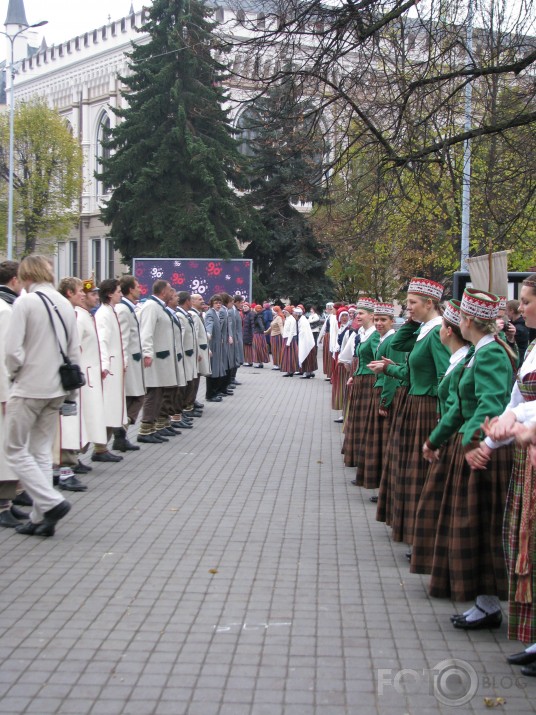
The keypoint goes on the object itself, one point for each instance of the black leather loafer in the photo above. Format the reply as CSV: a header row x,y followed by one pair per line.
x,y
522,658
105,457
148,439
490,620
529,670
7,520
23,499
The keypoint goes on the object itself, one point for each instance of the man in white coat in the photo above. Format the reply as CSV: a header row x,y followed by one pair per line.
x,y
173,400
195,408
158,349
41,321
8,481
191,353
70,438
135,377
113,367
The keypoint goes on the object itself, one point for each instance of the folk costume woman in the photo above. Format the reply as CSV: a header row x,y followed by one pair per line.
x,y
306,345
289,361
468,555
248,318
519,535
275,331
432,494
375,429
328,339
361,382
384,512
339,376
260,348
427,363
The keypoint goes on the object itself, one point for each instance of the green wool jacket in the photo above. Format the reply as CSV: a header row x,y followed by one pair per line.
x,y
364,352
483,390
427,362
387,384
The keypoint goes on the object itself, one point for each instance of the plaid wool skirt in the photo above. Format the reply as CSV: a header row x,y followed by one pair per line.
x,y
248,353
327,358
384,510
310,364
339,379
468,554
372,456
260,349
289,360
428,509
276,345
419,417
521,616
358,406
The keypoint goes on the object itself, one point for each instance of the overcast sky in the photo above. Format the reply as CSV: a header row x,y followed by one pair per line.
x,y
68,18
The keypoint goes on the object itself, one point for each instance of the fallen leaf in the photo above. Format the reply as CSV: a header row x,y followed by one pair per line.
x,y
494,702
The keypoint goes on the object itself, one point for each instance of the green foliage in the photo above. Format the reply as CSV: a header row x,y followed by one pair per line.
x,y
385,227
47,177
284,173
173,153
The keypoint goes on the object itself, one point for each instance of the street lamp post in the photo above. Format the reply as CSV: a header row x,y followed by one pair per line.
x,y
12,39
466,179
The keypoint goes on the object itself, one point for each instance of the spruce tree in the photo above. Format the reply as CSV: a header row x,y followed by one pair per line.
x,y
285,169
172,155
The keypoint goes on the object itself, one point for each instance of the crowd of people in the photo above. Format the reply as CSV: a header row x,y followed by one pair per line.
x,y
430,412
142,363
430,415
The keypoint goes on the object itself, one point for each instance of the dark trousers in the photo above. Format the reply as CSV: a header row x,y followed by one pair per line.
x,y
134,405
152,404
215,385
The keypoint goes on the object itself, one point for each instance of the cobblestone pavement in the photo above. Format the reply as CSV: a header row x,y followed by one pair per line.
x,y
235,571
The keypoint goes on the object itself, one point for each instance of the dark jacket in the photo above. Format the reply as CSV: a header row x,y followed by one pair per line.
x,y
258,325
247,325
267,317
522,337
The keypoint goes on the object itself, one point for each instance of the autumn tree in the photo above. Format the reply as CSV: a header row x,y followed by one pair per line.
x,y
47,178
393,71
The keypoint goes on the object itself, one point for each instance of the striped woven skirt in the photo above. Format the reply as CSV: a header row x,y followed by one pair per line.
x,y
276,344
260,349
289,360
310,364
339,379
384,511
358,406
521,616
327,358
428,509
248,353
468,553
418,419
372,456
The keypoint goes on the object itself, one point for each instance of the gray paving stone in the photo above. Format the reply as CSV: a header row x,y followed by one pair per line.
x,y
310,601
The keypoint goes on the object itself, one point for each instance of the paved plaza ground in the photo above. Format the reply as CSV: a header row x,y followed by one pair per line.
x,y
236,571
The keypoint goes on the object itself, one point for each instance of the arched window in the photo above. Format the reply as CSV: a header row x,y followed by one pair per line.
x,y
247,131
103,132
